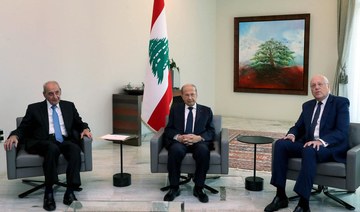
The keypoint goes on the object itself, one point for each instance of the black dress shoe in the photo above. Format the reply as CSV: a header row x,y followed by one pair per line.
x,y
277,204
300,209
49,202
69,197
200,194
171,194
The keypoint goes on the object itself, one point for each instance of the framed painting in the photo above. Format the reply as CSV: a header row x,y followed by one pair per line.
x,y
271,54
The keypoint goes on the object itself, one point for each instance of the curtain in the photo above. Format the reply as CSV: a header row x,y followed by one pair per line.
x,y
345,17
353,66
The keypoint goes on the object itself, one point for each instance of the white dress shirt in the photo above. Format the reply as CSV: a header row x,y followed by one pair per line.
x,y
187,113
51,122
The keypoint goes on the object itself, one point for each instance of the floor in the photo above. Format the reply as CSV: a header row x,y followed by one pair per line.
x,y
97,184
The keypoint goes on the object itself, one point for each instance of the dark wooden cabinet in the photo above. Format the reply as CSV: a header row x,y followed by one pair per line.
x,y
127,116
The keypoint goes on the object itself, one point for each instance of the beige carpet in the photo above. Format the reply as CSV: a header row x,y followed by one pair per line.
x,y
241,155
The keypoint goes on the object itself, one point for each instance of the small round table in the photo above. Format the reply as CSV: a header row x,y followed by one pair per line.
x,y
120,179
254,183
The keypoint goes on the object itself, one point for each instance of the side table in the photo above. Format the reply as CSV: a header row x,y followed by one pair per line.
x,y
120,179
254,183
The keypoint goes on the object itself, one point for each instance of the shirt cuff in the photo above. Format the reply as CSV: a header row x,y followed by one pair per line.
x,y
325,144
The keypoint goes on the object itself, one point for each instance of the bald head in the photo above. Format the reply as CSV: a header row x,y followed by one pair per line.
x,y
320,88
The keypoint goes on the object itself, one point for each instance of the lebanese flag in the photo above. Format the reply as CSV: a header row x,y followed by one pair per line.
x,y
157,96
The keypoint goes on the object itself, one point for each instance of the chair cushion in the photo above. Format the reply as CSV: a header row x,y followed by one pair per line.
x,y
327,169
25,159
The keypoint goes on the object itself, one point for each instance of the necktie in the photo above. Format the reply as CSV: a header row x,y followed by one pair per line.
x,y
189,121
58,134
314,121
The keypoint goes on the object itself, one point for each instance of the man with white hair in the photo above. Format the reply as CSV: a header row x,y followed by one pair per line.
x,y
319,135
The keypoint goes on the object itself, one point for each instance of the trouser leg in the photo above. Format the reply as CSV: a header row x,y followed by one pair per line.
x,y
72,154
310,158
176,153
51,152
284,149
201,155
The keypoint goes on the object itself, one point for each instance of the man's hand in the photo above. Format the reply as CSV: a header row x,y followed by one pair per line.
x,y
189,139
315,144
10,141
86,132
290,137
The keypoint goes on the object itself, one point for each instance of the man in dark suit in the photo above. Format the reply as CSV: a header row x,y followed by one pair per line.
x,y
190,129
319,135
48,129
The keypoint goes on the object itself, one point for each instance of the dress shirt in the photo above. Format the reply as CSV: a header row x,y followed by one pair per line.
x,y
61,120
317,128
187,113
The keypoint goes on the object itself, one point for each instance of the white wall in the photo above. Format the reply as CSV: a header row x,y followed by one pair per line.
x,y
322,56
93,48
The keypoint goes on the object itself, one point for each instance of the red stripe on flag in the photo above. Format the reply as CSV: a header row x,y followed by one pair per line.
x,y
158,7
158,117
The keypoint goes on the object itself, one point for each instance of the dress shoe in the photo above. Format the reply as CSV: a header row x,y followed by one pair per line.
x,y
277,204
49,202
69,197
200,194
300,209
171,194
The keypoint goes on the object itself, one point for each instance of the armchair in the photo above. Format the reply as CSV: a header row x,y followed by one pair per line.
x,y
334,174
21,164
219,157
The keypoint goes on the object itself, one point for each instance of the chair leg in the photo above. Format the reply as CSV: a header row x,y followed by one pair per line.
x,y
37,187
40,186
65,185
315,192
211,189
326,191
213,177
188,179
343,203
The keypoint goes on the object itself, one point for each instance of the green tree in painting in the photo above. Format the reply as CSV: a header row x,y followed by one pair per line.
x,y
271,56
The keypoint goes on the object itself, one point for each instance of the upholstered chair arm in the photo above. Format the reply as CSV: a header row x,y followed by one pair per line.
x,y
353,168
87,148
224,149
11,162
156,144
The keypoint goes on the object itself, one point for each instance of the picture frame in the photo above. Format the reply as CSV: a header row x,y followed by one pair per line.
x,y
271,54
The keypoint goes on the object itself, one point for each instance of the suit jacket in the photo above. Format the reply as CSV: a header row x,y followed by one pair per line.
x,y
35,123
334,125
203,123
